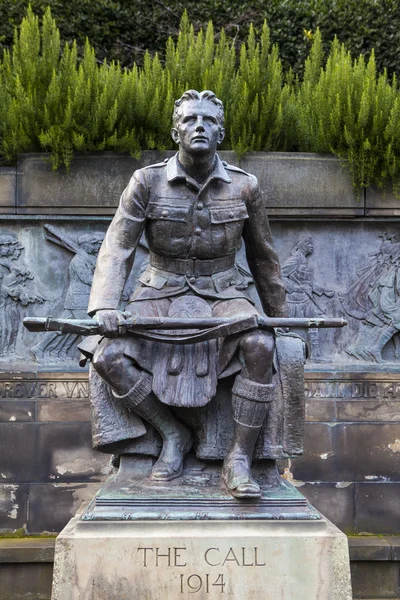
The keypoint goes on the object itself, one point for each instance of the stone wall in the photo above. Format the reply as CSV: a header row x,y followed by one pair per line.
x,y
350,466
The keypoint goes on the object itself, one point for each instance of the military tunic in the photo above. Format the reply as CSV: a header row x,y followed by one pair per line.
x,y
193,232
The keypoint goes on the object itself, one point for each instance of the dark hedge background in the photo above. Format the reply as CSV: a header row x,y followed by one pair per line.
x,y
124,29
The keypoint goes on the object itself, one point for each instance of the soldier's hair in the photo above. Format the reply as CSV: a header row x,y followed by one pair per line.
x,y
199,96
302,242
8,240
90,238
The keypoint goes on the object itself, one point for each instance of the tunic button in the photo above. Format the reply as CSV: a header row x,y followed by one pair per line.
x,y
231,215
197,231
164,213
200,206
148,279
192,279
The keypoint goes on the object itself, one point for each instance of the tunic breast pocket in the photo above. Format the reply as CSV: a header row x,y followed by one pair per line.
x,y
167,220
227,224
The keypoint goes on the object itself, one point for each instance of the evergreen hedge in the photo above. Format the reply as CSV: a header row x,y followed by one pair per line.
x,y
51,101
123,29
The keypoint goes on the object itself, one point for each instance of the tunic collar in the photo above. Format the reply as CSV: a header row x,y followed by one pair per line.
x,y
176,171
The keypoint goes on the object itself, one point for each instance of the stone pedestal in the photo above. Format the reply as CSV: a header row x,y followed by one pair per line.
x,y
207,560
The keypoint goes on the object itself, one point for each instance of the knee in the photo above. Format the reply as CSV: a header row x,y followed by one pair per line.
x,y
260,344
107,358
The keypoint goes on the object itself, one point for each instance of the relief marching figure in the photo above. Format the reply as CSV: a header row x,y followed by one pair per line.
x,y
374,299
16,292
301,287
53,346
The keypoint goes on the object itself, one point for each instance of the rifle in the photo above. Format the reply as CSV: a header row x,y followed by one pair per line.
x,y
154,328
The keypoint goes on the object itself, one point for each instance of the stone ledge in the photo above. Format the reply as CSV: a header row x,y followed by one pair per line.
x,y
8,190
27,550
374,548
292,184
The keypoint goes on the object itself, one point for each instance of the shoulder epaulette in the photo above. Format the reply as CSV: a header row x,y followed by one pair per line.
x,y
233,168
157,165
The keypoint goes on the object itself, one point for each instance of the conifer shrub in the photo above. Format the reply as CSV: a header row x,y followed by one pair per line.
x,y
54,101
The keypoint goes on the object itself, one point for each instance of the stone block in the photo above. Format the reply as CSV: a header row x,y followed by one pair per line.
x,y
19,452
395,544
13,506
52,505
368,410
321,410
369,451
63,410
27,550
297,184
377,508
65,453
369,548
8,181
375,580
335,501
21,581
92,186
349,452
291,183
164,560
381,202
320,461
17,410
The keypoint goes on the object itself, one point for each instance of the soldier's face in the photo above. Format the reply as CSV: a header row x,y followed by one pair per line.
x,y
198,130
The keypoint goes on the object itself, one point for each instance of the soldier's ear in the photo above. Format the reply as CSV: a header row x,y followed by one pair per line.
x,y
221,135
175,135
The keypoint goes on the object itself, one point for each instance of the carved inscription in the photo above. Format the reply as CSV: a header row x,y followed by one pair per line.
x,y
202,580
352,389
44,389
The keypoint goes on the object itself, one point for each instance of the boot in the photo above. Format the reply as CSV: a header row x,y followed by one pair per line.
x,y
250,404
177,439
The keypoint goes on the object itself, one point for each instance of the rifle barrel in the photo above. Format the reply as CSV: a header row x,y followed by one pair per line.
x,y
91,326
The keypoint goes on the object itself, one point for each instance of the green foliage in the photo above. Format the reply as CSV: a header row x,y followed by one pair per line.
x,y
122,30
345,108
52,99
260,108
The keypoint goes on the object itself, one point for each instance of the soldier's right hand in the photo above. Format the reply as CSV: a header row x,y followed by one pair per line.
x,y
111,323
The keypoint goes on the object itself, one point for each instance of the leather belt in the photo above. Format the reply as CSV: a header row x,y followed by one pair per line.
x,y
192,266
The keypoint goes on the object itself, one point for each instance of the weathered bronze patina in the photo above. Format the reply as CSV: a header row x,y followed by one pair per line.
x,y
195,211
192,316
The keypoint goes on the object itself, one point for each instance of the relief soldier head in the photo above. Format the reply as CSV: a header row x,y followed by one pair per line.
x,y
90,242
10,246
198,123
305,245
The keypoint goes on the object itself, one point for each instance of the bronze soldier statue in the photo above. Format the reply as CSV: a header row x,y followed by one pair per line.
x,y
195,210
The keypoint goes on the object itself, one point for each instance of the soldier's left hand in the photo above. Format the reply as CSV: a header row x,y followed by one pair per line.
x,y
111,323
